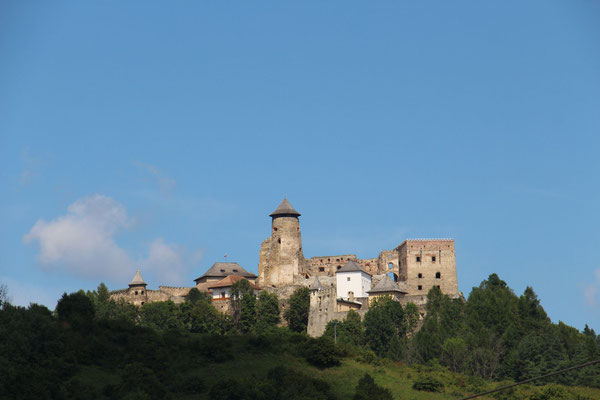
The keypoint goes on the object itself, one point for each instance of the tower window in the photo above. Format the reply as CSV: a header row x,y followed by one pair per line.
x,y
339,267
279,240
420,276
438,275
420,287
275,229
142,292
438,286
321,269
136,293
348,279
390,265
432,258
418,258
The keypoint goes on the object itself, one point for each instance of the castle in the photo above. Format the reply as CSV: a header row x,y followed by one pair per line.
x,y
337,283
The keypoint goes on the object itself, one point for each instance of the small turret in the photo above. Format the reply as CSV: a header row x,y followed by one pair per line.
x,y
137,289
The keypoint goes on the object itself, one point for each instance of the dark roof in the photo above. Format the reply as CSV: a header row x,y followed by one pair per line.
x,y
137,279
223,269
316,285
386,285
285,208
352,266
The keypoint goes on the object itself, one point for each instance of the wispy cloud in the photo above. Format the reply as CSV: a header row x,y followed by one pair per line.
x,y
83,242
165,183
32,167
590,292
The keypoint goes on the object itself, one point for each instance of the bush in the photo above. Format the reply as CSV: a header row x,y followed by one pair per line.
x,y
214,348
321,353
367,389
427,383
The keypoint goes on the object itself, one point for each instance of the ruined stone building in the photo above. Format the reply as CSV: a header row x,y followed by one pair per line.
x,y
337,283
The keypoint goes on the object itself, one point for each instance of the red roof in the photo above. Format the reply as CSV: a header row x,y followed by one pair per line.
x,y
229,281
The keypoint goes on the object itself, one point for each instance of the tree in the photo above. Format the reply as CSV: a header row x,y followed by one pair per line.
x,y
384,326
194,296
267,311
161,315
349,331
243,304
367,389
454,354
297,313
76,309
4,299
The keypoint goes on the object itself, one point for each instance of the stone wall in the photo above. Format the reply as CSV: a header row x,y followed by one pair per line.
x,y
281,258
428,263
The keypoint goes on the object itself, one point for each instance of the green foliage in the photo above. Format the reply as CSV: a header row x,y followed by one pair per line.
x,y
243,304
367,389
428,383
321,353
349,331
4,299
76,309
455,354
385,327
267,311
194,296
161,315
297,313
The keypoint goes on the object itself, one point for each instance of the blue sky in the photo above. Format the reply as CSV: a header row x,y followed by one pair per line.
x,y
160,136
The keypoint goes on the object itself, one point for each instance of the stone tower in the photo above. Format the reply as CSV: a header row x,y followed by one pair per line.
x,y
137,290
281,258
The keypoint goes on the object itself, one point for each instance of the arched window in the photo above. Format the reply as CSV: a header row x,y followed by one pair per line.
x,y
438,275
136,293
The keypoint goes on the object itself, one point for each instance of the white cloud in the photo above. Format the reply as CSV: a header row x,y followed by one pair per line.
x,y
167,261
590,292
165,183
82,241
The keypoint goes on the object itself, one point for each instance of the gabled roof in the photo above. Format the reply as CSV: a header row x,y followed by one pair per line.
x,y
229,281
352,266
223,269
285,208
386,285
137,279
316,285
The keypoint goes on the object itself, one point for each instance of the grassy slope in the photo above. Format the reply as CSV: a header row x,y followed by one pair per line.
x,y
253,364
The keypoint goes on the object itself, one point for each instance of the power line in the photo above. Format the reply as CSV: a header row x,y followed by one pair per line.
x,y
533,379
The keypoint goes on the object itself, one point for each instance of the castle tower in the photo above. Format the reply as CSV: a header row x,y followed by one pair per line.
x,y
281,258
137,289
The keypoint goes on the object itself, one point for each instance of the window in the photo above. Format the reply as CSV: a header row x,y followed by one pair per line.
x,y
279,240
418,258
339,267
142,292
142,303
321,269
337,259
348,279
438,286
420,276
420,287
136,292
432,258
438,275
275,229
235,270
390,266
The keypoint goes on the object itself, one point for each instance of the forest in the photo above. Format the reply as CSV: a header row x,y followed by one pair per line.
x,y
91,347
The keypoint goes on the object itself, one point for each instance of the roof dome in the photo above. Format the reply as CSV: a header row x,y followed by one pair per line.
x,y
285,208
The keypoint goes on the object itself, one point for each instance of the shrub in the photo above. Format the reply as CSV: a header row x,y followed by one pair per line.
x,y
321,353
367,389
214,348
427,383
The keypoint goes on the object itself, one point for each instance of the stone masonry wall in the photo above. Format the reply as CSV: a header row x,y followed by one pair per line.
x,y
281,258
429,263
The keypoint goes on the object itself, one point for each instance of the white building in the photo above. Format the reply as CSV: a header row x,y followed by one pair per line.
x,y
352,281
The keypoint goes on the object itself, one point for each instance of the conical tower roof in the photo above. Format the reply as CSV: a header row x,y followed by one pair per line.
x,y
137,279
386,285
316,285
285,208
